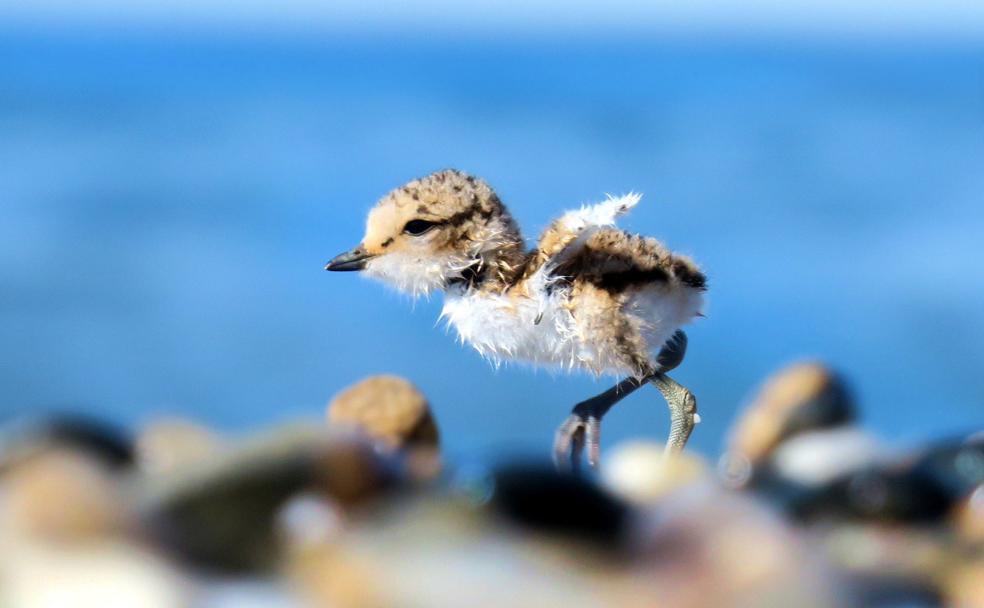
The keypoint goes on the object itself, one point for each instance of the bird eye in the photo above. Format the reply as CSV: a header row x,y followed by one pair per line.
x,y
418,227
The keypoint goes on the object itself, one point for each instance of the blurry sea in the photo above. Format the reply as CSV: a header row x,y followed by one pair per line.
x,y
168,204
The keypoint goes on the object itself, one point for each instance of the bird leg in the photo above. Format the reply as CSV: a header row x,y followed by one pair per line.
x,y
683,406
583,426
683,411
671,355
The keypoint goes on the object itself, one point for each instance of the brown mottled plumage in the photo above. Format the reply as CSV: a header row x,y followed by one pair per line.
x,y
588,296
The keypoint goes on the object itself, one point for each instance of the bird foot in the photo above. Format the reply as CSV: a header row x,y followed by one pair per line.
x,y
583,427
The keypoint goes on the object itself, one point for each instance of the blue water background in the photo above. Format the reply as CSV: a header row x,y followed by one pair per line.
x,y
168,203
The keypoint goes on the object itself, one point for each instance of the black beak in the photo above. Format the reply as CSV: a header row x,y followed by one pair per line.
x,y
350,260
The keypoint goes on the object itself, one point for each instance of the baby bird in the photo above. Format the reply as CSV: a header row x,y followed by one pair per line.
x,y
589,296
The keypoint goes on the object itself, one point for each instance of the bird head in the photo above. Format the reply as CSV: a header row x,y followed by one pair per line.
x,y
433,232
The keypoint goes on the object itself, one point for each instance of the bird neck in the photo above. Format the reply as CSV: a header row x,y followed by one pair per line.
x,y
496,268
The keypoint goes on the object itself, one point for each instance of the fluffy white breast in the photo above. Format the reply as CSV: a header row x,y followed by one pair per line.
x,y
540,329
537,328
534,328
503,330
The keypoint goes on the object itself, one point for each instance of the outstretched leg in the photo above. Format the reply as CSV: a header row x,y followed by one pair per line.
x,y
583,426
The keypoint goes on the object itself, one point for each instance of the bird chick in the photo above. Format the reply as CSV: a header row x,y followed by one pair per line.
x,y
588,296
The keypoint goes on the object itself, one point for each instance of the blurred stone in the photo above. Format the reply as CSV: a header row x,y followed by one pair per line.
x,y
309,519
396,417
882,494
708,546
520,535
957,464
887,565
436,550
167,444
963,587
800,398
796,445
62,495
423,464
817,457
70,538
922,488
541,499
221,512
536,537
387,409
109,574
240,592
968,519
641,472
25,436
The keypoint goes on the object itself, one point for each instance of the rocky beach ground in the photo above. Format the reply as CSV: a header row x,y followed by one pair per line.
x,y
804,509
